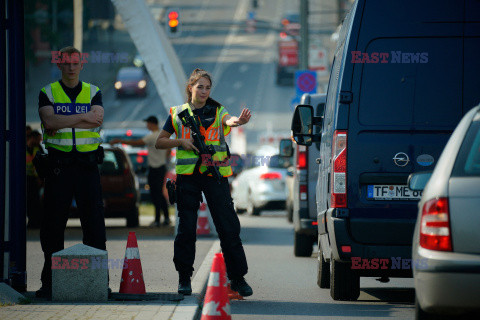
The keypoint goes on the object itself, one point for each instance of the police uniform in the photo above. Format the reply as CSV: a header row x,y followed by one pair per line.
x,y
72,174
191,181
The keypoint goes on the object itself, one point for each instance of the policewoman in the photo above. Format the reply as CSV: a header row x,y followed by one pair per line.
x,y
192,179
71,113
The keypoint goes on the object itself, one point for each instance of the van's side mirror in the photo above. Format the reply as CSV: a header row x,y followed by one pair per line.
x,y
286,148
417,181
302,125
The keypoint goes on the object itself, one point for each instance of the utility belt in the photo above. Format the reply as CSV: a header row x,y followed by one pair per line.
x,y
173,189
45,162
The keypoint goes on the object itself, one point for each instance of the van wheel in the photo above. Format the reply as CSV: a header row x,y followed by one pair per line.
x,y
344,283
302,245
290,212
323,273
132,219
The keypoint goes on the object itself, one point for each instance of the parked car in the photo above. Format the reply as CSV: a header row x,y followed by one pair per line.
x,y
138,156
262,186
120,189
393,101
302,206
446,241
131,81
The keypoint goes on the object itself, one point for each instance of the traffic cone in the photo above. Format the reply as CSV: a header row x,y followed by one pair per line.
x,y
216,305
203,227
132,275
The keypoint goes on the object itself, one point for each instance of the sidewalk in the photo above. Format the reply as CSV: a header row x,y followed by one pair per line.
x,y
160,309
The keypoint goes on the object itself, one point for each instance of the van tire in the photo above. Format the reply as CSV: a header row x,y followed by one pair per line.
x,y
132,218
323,273
290,212
302,245
344,283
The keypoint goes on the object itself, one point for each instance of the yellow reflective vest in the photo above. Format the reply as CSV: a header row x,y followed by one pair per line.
x,y
84,140
214,135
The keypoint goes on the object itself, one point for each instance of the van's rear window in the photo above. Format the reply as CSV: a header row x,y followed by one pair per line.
x,y
419,83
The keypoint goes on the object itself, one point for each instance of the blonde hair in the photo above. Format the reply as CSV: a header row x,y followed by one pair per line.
x,y
194,77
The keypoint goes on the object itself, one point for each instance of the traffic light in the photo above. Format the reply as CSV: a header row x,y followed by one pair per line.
x,y
172,26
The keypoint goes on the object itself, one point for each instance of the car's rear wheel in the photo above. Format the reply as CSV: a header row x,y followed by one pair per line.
x,y
302,245
422,315
132,218
252,210
344,283
323,273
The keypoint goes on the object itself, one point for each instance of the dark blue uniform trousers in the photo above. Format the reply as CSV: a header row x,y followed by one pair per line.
x,y
220,203
62,183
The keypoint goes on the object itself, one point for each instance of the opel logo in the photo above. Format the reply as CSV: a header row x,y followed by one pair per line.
x,y
401,159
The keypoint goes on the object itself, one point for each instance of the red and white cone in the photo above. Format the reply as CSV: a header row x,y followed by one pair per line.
x,y
203,226
132,275
216,305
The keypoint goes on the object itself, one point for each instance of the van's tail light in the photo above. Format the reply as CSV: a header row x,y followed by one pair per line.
x,y
303,192
302,164
271,176
339,180
302,157
435,231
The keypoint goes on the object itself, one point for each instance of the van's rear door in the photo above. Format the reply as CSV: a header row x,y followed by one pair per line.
x,y
407,99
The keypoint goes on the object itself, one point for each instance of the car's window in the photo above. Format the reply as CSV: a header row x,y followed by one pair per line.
x,y
279,162
139,161
468,159
110,165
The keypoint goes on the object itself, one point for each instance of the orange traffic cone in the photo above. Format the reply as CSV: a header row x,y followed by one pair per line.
x,y
132,275
203,227
216,305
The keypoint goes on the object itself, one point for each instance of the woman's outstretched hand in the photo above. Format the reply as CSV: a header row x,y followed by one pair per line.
x,y
238,121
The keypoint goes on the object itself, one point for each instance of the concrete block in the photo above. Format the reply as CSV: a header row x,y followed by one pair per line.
x,y
8,295
80,273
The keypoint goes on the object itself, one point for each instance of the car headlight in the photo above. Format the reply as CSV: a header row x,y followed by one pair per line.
x,y
118,85
142,84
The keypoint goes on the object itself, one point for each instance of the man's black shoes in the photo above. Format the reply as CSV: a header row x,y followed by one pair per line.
x,y
241,286
44,293
185,285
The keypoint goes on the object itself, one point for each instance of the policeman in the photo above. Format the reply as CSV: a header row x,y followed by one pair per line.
x,y
71,112
214,122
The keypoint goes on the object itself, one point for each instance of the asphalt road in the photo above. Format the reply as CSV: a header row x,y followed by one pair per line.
x,y
285,286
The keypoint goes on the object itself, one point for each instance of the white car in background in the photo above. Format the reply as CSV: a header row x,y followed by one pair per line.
x,y
261,186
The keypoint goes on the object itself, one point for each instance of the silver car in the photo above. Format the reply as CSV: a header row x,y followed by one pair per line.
x,y
261,187
446,242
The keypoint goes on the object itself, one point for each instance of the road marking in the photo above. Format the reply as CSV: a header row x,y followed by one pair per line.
x,y
220,66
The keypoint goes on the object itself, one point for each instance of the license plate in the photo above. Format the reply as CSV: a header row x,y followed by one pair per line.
x,y
392,192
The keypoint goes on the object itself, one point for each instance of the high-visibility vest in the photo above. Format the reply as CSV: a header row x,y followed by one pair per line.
x,y
214,135
84,140
29,162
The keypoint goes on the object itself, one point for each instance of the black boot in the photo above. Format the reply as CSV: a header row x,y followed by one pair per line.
x,y
184,285
241,286
44,292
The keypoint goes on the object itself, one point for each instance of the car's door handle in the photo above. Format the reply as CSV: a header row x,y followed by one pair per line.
x,y
318,160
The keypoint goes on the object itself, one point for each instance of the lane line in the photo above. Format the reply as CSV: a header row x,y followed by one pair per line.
x,y
189,308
